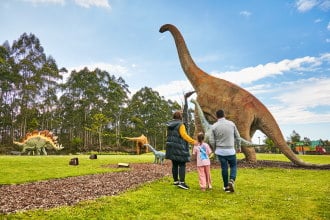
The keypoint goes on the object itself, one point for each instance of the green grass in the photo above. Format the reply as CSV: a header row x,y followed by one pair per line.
x,y
265,193
20,169
317,159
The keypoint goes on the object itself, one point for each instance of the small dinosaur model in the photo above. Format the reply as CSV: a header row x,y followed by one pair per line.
x,y
38,141
159,156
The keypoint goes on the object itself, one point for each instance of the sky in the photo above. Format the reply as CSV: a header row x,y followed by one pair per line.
x,y
277,50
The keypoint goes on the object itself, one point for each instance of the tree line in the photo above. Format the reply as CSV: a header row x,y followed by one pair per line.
x,y
295,137
91,110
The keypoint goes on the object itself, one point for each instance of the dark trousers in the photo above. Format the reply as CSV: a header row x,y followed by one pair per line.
x,y
178,170
224,161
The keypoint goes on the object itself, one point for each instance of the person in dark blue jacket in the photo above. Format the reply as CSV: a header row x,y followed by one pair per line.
x,y
177,149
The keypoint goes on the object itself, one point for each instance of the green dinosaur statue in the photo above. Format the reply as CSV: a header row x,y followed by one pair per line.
x,y
37,142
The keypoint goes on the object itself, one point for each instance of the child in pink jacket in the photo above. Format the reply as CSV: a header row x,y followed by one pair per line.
x,y
202,152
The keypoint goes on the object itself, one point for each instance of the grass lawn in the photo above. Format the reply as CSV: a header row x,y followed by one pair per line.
x,y
265,193
21,169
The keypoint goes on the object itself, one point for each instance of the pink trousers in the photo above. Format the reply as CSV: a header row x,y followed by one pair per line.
x,y
204,176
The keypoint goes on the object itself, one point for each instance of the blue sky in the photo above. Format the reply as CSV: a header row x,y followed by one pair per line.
x,y
278,50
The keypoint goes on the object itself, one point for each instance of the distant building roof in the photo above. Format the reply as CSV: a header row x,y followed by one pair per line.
x,y
316,143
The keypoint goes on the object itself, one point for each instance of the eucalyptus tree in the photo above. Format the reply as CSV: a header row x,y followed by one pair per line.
x,y
116,101
99,121
48,97
8,80
85,94
78,100
38,80
148,114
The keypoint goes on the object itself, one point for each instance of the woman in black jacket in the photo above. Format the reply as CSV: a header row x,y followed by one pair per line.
x,y
177,148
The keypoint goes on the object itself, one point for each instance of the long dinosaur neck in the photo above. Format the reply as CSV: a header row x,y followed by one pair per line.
x,y
151,148
192,71
205,124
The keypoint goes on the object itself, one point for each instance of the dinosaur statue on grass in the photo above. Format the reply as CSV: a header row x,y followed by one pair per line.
x,y
140,142
37,142
159,156
248,113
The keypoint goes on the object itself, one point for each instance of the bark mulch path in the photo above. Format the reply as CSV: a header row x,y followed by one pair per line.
x,y
69,191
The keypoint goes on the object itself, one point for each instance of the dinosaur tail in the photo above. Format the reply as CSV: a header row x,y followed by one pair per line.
x,y
273,131
18,143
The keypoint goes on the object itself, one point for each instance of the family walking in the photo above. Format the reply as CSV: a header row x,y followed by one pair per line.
x,y
223,138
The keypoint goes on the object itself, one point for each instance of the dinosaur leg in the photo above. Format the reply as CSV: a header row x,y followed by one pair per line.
x,y
44,150
249,152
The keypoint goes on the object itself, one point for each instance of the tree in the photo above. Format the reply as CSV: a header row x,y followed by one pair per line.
x,y
8,83
98,122
88,93
148,113
116,100
294,137
38,79
269,144
48,97
307,141
28,80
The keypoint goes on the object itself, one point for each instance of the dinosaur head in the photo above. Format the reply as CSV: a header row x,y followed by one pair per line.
x,y
164,28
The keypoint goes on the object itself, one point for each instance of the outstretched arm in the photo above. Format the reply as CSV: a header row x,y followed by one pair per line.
x,y
185,136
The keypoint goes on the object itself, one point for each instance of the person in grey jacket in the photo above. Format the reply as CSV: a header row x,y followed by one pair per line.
x,y
223,137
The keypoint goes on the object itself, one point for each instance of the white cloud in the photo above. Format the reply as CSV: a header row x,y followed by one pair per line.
x,y
287,115
325,5
174,90
116,70
89,3
328,27
245,13
250,74
82,3
305,101
310,92
35,2
306,5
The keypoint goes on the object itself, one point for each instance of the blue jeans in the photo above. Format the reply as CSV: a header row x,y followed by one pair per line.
x,y
224,161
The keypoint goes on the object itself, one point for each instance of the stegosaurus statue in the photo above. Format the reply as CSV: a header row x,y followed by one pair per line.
x,y
38,141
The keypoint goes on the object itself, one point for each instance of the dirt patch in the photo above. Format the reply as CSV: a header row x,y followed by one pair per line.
x,y
69,191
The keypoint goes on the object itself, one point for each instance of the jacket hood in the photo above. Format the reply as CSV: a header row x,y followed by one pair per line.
x,y
172,124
